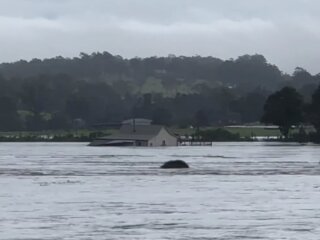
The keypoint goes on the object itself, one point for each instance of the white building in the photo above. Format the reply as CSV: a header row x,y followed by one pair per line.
x,y
135,134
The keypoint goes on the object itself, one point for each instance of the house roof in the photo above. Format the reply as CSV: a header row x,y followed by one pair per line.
x,y
138,132
137,121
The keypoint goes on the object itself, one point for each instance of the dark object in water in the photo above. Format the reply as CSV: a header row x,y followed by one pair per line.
x,y
175,164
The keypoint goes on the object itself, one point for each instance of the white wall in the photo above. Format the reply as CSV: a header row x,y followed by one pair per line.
x,y
163,135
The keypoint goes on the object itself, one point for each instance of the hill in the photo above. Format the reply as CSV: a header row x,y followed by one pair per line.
x,y
60,93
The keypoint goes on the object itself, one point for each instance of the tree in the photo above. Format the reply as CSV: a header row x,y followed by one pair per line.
x,y
314,110
200,120
77,106
162,116
284,109
302,77
59,121
250,106
35,99
9,119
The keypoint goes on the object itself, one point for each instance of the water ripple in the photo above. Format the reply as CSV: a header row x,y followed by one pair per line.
x,y
232,191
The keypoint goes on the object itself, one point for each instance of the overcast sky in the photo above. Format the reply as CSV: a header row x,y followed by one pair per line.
x,y
286,32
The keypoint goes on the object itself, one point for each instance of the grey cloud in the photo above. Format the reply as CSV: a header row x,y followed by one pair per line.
x,y
286,31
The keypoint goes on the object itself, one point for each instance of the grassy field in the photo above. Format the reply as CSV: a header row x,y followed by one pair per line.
x,y
254,132
243,132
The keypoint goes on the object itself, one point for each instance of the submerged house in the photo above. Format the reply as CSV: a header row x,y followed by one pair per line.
x,y
138,132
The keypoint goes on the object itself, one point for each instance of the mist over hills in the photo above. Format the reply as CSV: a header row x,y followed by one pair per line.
x,y
101,87
161,74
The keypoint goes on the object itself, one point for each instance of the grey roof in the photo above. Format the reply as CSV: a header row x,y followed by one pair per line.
x,y
137,121
139,132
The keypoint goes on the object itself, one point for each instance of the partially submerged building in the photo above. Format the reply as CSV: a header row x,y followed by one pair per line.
x,y
138,132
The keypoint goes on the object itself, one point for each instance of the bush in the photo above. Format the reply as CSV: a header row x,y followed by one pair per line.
x,y
218,135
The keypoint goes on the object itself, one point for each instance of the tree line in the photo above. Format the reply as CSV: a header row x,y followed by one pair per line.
x,y
98,89
287,108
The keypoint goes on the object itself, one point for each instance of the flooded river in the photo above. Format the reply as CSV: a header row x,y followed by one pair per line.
x,y
51,191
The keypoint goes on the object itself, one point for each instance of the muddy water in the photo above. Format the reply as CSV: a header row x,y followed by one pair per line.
x,y
232,191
